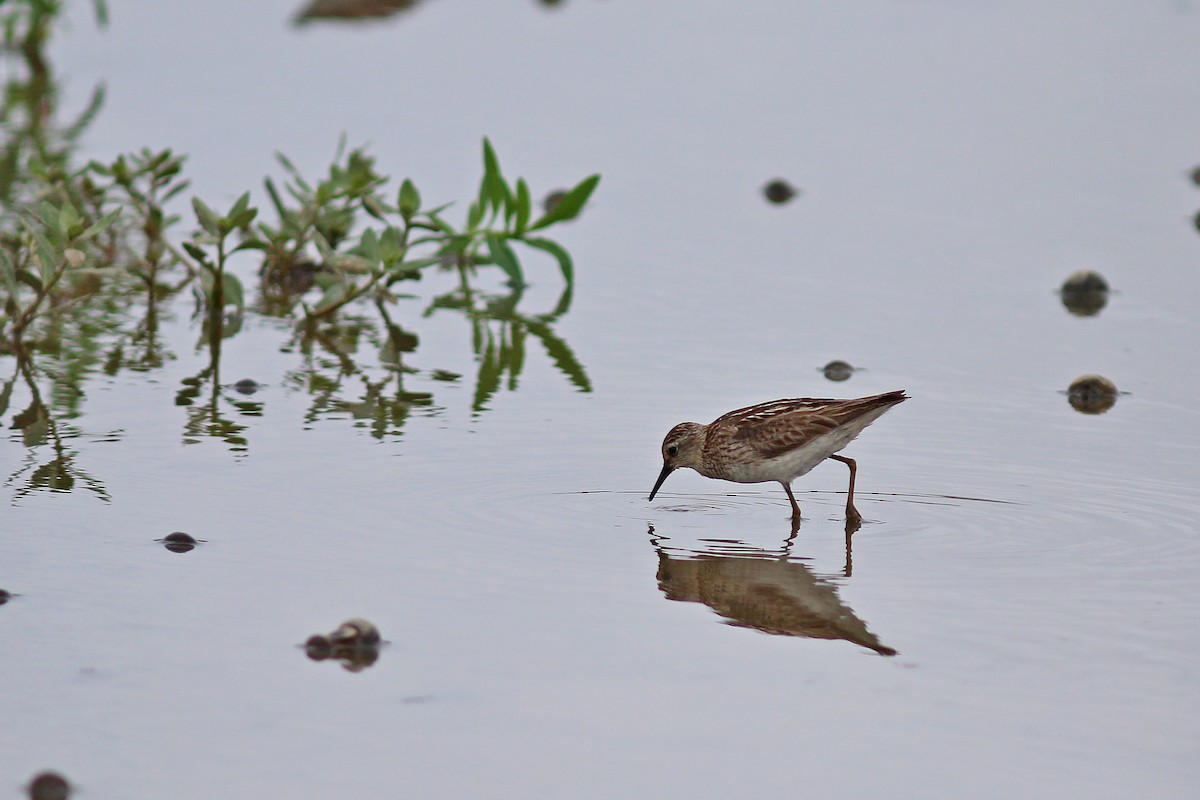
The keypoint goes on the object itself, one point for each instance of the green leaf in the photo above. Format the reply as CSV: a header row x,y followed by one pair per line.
x,y
493,188
510,205
208,220
102,224
571,204
375,207
47,261
273,193
333,297
51,218
243,219
418,264
240,205
233,291
409,200
195,251
474,215
68,218
176,189
368,245
29,279
523,206
353,263
120,170
391,246
505,258
559,252
10,273
286,163
327,254
439,223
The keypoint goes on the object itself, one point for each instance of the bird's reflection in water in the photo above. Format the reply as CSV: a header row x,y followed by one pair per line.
x,y
765,591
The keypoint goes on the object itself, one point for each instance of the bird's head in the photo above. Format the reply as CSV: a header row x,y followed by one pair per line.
x,y
681,448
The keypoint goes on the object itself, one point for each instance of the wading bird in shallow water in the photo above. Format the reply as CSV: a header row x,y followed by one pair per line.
x,y
776,441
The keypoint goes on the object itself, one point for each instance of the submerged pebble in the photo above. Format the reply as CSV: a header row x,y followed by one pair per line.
x,y
49,786
552,200
179,542
318,647
355,632
779,191
247,386
1092,394
1084,293
355,644
837,370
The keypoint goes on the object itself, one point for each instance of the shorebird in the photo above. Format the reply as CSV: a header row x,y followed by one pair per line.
x,y
776,441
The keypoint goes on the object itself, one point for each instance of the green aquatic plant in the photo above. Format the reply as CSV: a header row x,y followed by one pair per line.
x,y
313,243
54,242
86,251
144,182
219,287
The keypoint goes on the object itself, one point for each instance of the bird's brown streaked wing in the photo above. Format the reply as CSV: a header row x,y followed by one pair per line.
x,y
773,429
764,412
771,438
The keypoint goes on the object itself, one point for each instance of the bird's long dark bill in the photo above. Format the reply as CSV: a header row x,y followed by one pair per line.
x,y
662,476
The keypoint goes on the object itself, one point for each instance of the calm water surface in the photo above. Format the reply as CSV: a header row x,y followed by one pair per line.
x,y
550,633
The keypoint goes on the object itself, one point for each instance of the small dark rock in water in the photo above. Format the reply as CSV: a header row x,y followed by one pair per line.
x,y
1195,173
779,191
318,647
355,632
1084,293
247,386
1092,394
179,542
552,200
838,370
5,596
355,644
49,786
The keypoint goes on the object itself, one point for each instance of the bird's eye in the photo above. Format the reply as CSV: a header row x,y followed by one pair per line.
x,y
673,450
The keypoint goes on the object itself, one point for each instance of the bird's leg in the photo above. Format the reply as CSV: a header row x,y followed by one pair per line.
x,y
792,497
851,511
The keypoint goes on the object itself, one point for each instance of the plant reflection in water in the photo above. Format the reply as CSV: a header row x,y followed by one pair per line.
x,y
498,336
39,428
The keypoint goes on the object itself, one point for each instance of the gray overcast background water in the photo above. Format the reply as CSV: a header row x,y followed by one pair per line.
x,y
1034,567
